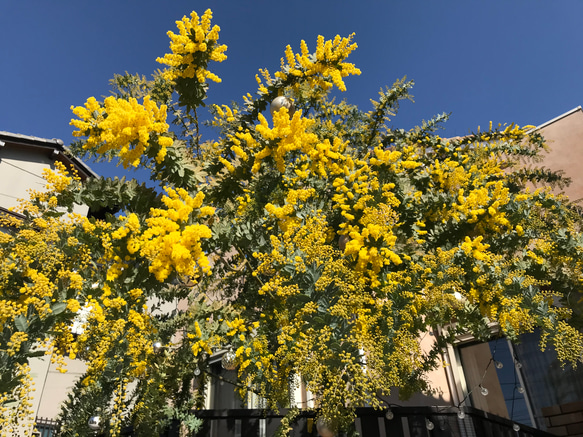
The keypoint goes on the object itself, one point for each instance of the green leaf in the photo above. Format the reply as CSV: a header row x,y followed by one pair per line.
x,y
21,323
58,308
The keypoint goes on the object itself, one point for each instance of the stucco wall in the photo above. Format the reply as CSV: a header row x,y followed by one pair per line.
x,y
21,171
565,140
51,385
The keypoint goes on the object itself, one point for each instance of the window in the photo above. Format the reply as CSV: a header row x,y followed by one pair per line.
x,y
518,381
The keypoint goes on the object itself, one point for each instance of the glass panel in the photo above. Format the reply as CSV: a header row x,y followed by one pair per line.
x,y
503,370
508,376
224,394
493,381
547,383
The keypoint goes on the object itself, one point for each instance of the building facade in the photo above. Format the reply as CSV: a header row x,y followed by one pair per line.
x,y
22,161
518,381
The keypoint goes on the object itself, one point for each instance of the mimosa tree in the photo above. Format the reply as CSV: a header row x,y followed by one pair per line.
x,y
310,238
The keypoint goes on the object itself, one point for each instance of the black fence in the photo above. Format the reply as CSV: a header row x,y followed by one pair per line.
x,y
45,427
400,422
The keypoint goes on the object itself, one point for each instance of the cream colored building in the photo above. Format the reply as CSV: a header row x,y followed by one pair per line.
x,y
564,135
22,161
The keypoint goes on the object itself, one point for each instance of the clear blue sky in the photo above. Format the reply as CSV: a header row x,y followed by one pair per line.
x,y
501,60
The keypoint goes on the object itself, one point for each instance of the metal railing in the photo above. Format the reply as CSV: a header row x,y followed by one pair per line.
x,y
45,427
402,422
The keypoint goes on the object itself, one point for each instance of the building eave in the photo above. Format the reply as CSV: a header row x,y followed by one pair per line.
x,y
54,147
554,120
5,211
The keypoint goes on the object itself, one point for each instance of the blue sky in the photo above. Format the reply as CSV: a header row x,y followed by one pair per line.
x,y
497,60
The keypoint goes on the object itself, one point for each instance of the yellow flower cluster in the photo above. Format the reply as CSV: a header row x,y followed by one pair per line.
x,y
568,343
15,341
224,114
57,181
291,134
16,407
301,245
326,68
192,48
294,201
236,326
307,348
476,248
243,202
119,405
373,240
512,316
104,330
483,203
171,242
288,137
131,226
42,264
205,341
123,126
41,261
394,160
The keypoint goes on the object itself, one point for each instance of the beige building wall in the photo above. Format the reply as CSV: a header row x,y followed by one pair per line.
x,y
438,379
20,172
564,136
22,161
51,385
